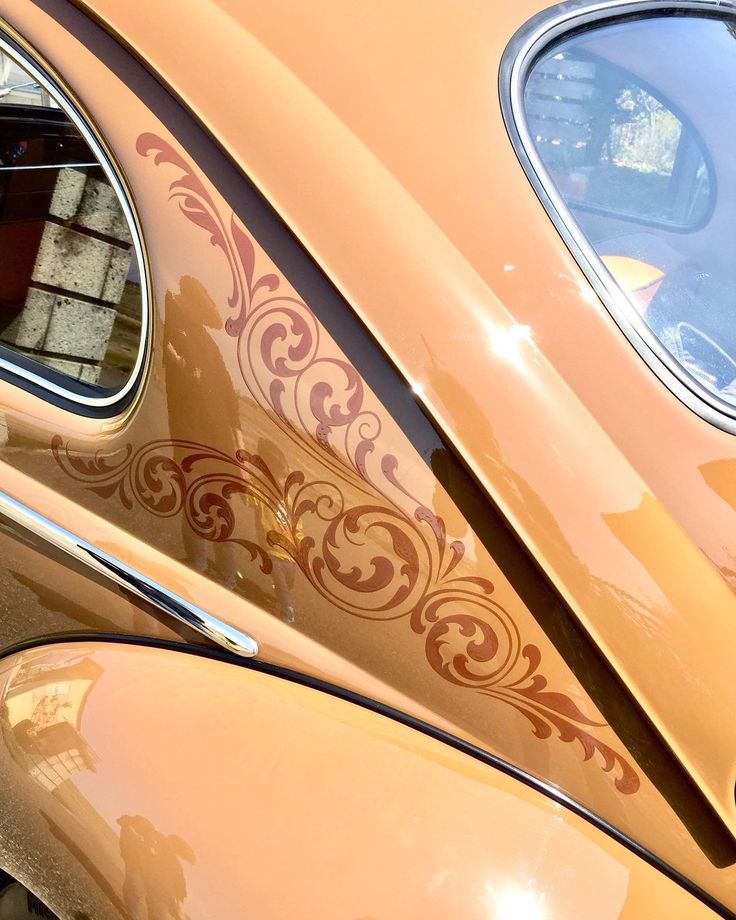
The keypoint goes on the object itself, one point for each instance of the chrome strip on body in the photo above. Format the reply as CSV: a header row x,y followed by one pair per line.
x,y
71,110
523,49
223,634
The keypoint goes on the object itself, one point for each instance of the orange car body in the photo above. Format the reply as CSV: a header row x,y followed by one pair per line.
x,y
387,430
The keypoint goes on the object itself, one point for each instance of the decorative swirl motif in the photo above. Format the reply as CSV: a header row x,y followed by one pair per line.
x,y
382,555
372,561
317,397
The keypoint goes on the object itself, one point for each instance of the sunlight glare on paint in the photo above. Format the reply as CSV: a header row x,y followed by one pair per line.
x,y
518,904
507,343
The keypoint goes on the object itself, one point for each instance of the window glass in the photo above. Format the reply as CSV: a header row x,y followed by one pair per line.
x,y
70,282
633,122
612,145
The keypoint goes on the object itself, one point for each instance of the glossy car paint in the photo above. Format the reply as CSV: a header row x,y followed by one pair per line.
x,y
379,828
399,179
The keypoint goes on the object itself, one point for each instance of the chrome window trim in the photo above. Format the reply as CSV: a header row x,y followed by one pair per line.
x,y
47,166
226,636
521,52
25,60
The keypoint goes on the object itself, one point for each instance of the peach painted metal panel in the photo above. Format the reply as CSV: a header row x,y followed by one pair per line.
x,y
445,254
446,313
351,537
260,476
307,806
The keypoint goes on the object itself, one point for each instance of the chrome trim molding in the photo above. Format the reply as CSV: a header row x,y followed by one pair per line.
x,y
226,636
47,166
22,58
523,49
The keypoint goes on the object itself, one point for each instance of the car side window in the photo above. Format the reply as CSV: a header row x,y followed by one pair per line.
x,y
71,298
628,125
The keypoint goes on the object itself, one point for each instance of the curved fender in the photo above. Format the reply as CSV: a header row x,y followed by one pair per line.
x,y
143,783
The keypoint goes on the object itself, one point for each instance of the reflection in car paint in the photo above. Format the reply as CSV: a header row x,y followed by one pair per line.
x,y
44,709
155,885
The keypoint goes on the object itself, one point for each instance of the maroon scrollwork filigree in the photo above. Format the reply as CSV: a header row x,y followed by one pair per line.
x,y
380,555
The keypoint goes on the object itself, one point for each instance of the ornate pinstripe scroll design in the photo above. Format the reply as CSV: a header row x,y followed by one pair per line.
x,y
356,533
